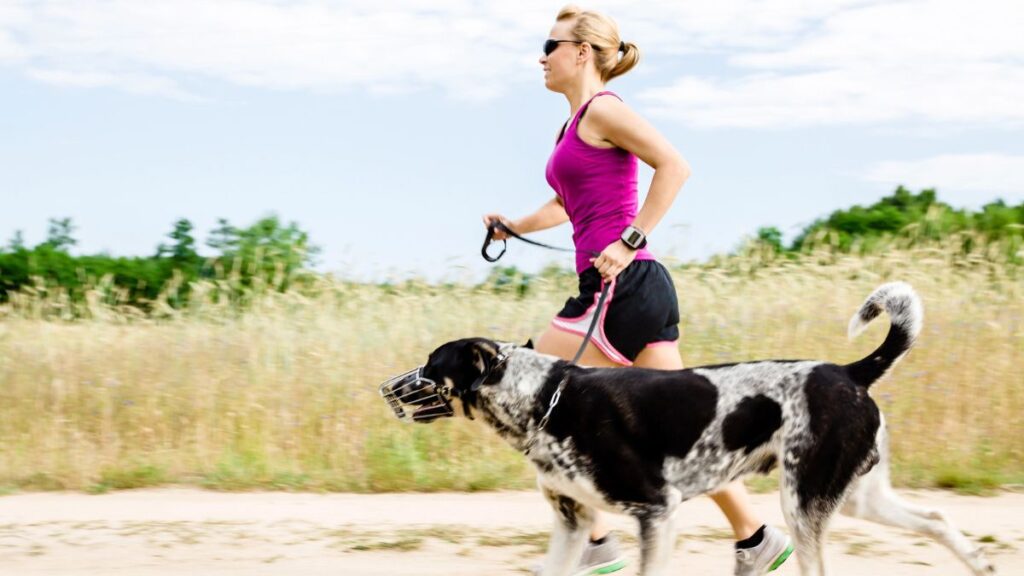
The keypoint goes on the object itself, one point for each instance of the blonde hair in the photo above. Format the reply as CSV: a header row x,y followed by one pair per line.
x,y
602,33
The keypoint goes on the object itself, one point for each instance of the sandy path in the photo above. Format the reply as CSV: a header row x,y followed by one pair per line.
x,y
180,531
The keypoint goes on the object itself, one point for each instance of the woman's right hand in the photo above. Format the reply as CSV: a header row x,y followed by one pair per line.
x,y
499,234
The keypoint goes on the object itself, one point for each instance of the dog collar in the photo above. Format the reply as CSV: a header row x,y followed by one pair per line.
x,y
532,440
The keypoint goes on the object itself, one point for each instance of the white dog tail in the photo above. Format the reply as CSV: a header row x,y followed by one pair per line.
x,y
904,308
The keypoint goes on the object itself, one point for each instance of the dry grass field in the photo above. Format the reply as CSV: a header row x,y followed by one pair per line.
x,y
281,393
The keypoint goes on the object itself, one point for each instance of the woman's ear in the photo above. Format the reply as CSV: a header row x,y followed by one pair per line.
x,y
586,51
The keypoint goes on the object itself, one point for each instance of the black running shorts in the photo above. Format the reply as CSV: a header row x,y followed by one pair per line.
x,y
641,310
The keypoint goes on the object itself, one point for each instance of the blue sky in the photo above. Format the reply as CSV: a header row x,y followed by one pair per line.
x,y
387,128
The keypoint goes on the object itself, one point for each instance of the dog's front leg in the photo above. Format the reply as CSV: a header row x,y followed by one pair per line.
x,y
657,542
569,535
658,534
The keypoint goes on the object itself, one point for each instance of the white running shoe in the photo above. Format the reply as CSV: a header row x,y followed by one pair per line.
x,y
766,556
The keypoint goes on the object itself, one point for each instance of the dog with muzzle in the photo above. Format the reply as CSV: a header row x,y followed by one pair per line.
x,y
639,441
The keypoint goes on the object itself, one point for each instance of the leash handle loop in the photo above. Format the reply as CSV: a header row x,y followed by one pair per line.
x,y
494,225
499,225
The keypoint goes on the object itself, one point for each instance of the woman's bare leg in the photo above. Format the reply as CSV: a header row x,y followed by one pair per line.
x,y
565,345
734,501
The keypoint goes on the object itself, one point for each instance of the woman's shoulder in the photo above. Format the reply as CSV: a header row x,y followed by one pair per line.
x,y
607,103
609,108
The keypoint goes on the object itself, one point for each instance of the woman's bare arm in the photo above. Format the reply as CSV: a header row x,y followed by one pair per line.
x,y
618,124
551,214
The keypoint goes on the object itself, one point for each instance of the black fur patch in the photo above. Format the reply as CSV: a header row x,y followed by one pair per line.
x,y
567,509
731,364
768,464
469,363
752,423
844,422
870,368
625,422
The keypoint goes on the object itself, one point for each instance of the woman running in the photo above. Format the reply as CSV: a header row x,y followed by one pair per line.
x,y
593,171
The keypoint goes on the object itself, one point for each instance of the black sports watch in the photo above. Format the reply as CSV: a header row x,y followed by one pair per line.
x,y
634,237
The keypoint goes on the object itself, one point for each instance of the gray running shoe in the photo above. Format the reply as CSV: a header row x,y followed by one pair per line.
x,y
766,556
603,558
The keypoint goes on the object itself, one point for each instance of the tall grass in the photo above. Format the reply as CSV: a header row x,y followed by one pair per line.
x,y
281,393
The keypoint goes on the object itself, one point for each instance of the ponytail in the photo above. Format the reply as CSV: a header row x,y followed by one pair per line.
x,y
602,34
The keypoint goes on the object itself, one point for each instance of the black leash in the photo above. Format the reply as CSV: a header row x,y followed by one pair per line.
x,y
497,225
565,378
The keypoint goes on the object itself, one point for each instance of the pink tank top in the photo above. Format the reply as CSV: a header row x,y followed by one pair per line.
x,y
598,187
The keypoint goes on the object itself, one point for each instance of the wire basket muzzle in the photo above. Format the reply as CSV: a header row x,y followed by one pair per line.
x,y
413,398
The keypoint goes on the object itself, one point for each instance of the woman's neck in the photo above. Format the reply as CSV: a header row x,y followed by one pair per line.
x,y
578,95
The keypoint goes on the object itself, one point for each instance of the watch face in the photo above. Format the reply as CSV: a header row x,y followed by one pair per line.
x,y
633,237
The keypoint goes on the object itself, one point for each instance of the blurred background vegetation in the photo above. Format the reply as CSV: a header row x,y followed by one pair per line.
x,y
268,250
246,369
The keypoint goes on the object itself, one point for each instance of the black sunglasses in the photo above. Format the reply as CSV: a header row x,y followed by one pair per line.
x,y
550,45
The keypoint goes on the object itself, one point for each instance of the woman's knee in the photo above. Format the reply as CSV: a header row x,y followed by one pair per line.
x,y
553,342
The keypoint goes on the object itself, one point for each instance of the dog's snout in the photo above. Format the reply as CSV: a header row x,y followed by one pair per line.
x,y
411,390
412,397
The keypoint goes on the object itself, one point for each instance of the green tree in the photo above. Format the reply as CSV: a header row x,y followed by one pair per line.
x,y
918,218
770,236
59,234
268,248
509,278
17,242
224,237
183,251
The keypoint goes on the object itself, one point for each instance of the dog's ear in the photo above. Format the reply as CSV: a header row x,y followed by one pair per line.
x,y
484,353
529,344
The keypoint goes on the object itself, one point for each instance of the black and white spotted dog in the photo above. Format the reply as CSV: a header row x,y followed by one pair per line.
x,y
638,441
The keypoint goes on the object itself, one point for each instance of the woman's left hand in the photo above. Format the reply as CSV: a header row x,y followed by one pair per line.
x,y
613,260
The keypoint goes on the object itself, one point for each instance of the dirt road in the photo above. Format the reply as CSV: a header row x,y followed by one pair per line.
x,y
180,531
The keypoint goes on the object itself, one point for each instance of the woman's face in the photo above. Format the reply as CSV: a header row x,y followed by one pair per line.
x,y
561,66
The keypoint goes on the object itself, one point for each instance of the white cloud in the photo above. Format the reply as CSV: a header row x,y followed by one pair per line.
x,y
961,179
472,49
134,83
724,25
932,61
968,93
468,50
786,62
11,15
10,51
